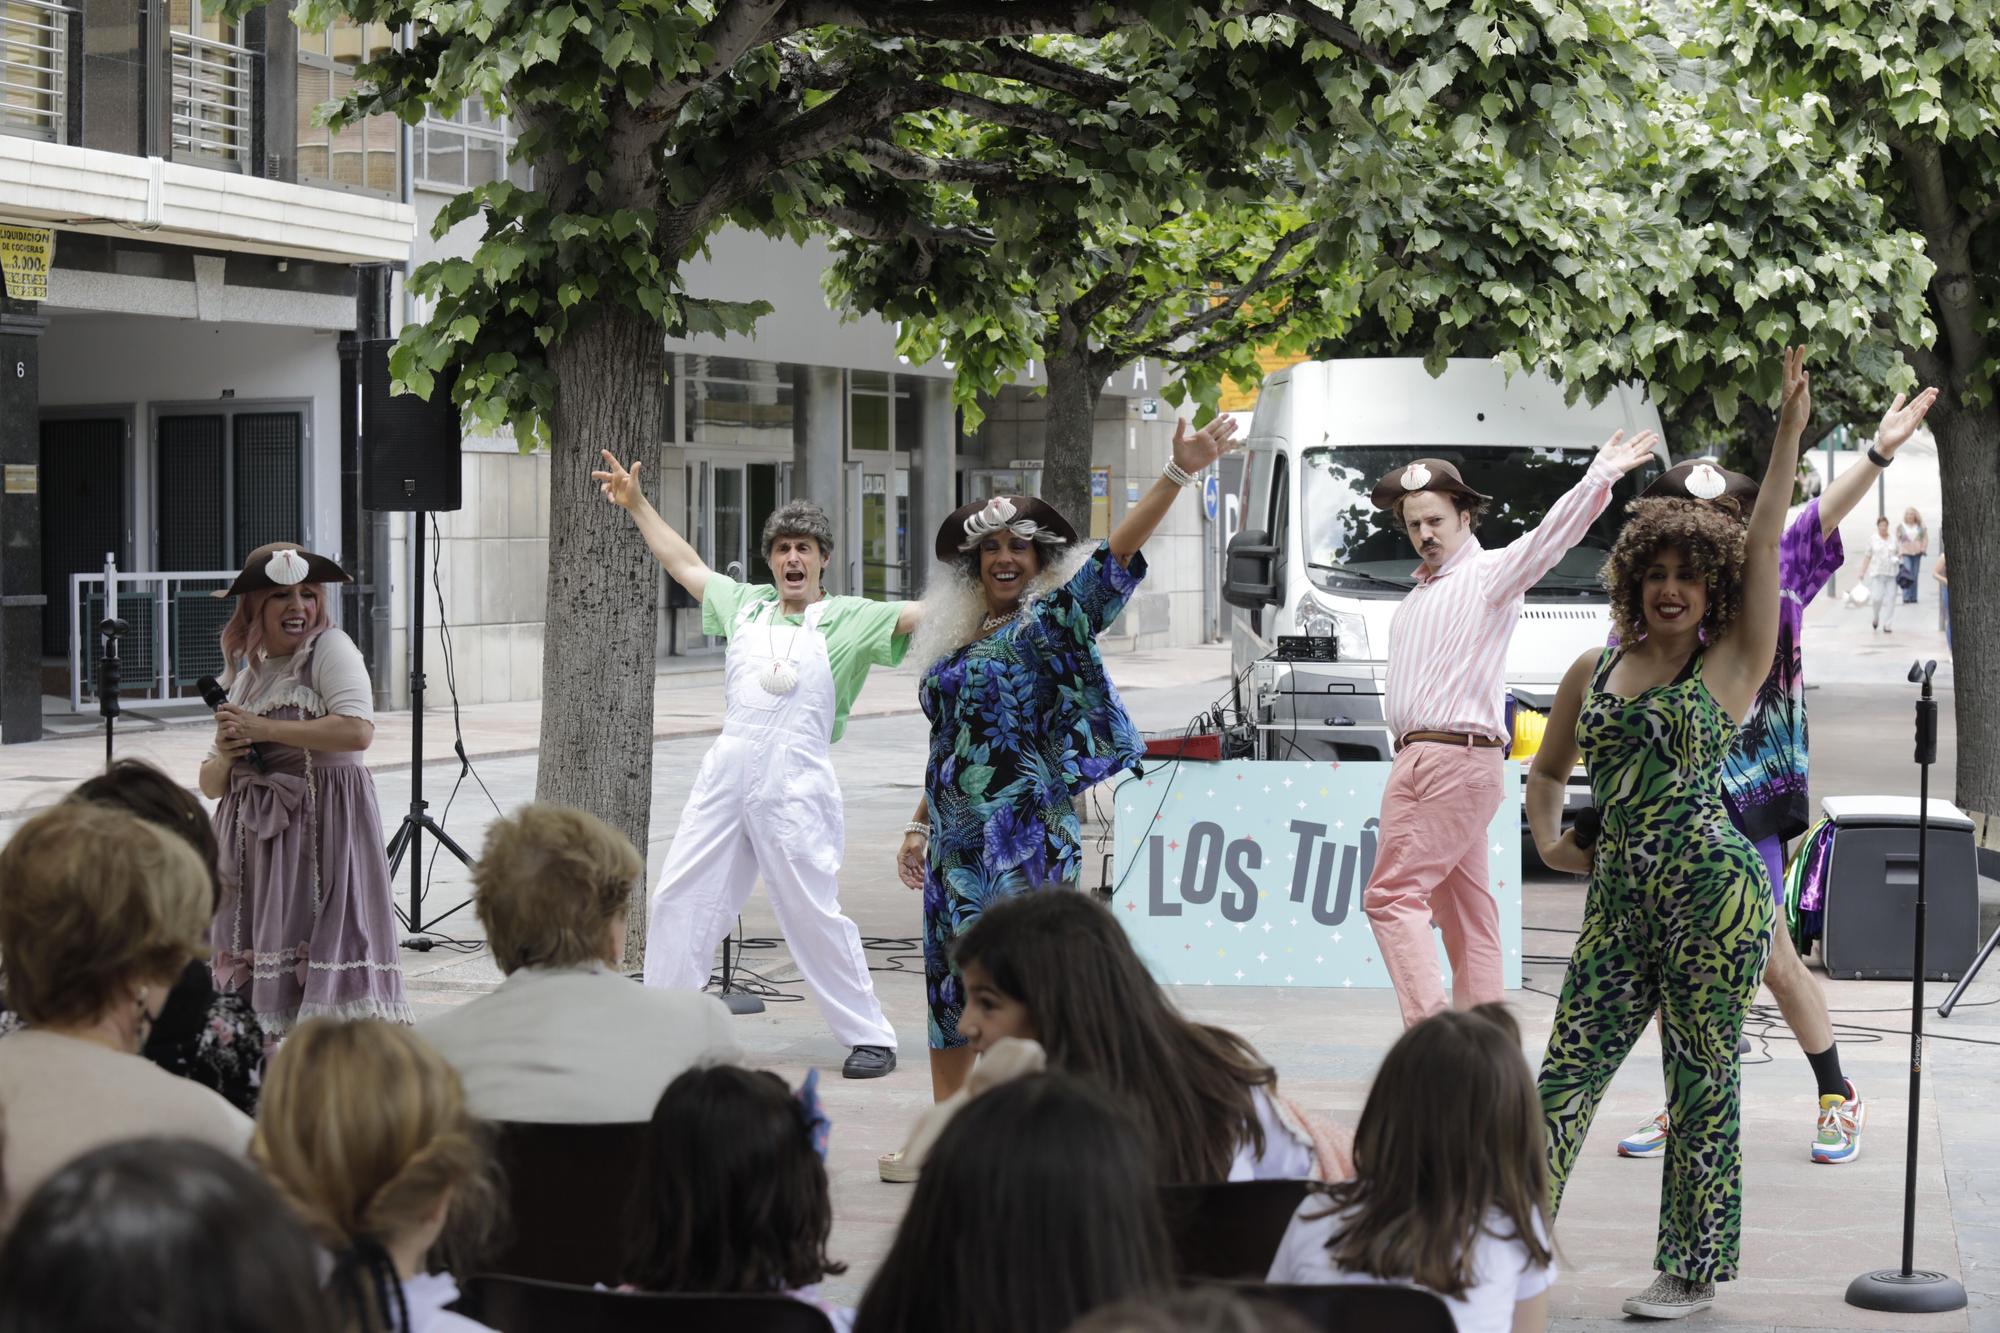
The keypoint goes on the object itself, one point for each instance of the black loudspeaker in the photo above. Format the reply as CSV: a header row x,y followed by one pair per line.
x,y
409,445
1871,890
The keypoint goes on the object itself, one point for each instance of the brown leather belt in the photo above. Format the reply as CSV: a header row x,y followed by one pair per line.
x,y
1465,738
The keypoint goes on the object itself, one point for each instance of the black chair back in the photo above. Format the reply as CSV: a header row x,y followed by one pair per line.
x,y
526,1305
1358,1307
567,1188
1229,1232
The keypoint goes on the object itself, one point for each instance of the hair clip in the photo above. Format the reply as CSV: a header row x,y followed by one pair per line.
x,y
818,1128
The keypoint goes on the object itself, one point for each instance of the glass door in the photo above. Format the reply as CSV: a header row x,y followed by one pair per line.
x,y
885,543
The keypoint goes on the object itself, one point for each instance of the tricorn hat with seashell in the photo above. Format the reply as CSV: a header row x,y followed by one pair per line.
x,y
1423,474
1702,479
283,565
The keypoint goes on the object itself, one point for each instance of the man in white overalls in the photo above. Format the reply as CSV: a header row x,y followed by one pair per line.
x,y
765,801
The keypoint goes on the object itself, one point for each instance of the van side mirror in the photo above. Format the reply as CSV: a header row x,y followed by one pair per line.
x,y
1250,571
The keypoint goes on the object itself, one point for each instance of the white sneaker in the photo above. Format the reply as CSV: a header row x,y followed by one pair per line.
x,y
1649,1140
1840,1122
1671,1297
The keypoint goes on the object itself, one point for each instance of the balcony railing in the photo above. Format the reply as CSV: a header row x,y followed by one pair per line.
x,y
34,69
172,636
214,93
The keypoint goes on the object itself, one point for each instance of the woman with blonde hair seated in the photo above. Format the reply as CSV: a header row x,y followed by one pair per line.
x,y
99,914
566,1038
364,1130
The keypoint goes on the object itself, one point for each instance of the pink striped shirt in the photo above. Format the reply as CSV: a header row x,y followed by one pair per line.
x,y
1448,640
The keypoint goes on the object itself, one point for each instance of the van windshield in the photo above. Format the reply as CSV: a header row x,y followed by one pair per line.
x,y
1351,545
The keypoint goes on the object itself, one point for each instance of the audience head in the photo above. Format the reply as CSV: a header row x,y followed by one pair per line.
x,y
100,912
1055,967
363,1129
1452,1131
138,788
1036,1206
165,1235
1675,563
552,886
735,1198
1193,1310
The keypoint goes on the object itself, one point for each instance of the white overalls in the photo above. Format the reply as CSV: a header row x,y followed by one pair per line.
x,y
766,803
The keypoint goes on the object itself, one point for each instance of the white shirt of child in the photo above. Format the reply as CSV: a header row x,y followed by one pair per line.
x,y
427,1295
1503,1275
1285,1156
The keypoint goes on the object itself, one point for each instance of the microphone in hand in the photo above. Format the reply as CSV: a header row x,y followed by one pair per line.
x,y
215,696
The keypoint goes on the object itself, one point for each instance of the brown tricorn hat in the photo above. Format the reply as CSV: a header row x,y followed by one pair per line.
x,y
282,565
1424,474
967,525
1702,479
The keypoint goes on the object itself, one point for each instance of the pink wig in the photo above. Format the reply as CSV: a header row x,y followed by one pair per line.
x,y
243,636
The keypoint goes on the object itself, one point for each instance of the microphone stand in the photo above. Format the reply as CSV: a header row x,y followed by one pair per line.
x,y
1910,1290
109,678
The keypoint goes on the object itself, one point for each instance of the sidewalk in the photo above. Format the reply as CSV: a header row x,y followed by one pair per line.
x,y
685,703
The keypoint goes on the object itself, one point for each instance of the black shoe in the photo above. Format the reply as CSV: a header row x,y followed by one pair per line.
x,y
869,1062
1743,1046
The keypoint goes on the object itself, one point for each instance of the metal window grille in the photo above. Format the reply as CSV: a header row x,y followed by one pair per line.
x,y
34,69
214,98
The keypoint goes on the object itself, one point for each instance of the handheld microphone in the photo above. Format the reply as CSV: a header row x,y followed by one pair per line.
x,y
215,696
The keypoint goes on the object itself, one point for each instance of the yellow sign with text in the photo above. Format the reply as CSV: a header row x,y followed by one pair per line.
x,y
25,256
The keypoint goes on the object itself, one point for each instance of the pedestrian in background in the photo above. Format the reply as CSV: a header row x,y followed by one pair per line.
x,y
1913,541
1879,570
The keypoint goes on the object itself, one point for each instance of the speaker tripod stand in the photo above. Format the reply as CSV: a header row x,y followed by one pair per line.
x,y
418,821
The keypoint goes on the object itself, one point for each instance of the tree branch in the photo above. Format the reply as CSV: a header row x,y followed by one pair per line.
x,y
740,26
1232,301
879,226
1952,292
1099,296
838,120
1324,25
969,20
1011,62
899,163
1013,115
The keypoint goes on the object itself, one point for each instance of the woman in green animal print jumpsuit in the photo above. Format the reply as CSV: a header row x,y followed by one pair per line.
x,y
1678,916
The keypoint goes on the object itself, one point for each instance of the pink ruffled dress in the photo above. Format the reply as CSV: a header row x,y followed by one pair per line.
x,y
307,924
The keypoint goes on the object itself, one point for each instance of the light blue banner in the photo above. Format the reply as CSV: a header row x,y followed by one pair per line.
x,y
1250,872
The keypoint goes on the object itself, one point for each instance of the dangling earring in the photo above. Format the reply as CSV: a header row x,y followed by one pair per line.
x,y
144,1023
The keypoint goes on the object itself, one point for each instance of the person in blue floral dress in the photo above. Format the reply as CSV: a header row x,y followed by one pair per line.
x,y
1023,716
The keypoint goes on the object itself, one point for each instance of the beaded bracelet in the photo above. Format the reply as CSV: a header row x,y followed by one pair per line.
x,y
914,827
1179,475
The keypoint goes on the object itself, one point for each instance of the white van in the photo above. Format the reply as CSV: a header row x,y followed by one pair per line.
x,y
1316,559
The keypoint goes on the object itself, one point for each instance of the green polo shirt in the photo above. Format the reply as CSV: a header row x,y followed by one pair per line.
x,y
860,633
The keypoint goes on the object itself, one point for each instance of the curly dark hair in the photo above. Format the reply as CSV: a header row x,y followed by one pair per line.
x,y
1710,536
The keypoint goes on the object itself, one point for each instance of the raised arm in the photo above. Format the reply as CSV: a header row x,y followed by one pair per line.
x,y
680,560
1548,778
1737,666
1192,453
1516,566
1898,424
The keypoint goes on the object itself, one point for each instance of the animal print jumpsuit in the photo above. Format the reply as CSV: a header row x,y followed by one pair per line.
x,y
1678,918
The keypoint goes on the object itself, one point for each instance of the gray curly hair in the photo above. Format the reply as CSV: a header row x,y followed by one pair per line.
x,y
799,518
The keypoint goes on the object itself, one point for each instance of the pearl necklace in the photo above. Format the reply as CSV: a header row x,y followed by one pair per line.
x,y
992,623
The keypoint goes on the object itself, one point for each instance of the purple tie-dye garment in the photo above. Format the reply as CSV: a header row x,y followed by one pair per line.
x,y
1764,775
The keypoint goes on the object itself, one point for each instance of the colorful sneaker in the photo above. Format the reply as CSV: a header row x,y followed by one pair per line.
x,y
1840,1122
1671,1297
1649,1140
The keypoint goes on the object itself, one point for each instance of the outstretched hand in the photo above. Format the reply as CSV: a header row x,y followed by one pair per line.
x,y
1195,452
619,486
1796,405
1901,421
1625,454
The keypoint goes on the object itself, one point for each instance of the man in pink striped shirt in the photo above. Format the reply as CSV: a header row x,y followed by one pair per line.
x,y
1444,699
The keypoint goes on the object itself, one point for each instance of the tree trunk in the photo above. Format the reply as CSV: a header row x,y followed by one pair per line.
x,y
1075,384
597,650
1969,468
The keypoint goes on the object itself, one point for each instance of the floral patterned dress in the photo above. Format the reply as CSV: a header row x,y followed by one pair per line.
x,y
1021,721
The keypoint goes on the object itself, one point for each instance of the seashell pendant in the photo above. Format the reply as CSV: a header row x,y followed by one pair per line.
x,y
779,677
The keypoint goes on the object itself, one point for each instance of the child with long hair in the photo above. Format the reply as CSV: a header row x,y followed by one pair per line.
x,y
734,1195
1054,967
363,1129
1036,1207
1450,1190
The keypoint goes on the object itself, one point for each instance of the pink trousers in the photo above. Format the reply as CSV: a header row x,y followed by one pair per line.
x,y
1430,866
